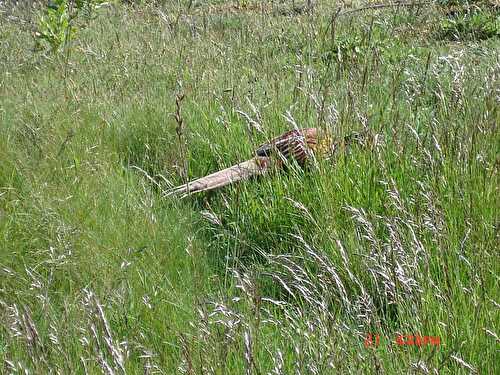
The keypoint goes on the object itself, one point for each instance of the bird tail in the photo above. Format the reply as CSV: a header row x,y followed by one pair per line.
x,y
242,171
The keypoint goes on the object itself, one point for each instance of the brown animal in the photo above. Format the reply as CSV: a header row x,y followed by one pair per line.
x,y
300,145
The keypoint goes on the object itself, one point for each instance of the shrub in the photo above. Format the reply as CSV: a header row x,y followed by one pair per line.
x,y
56,25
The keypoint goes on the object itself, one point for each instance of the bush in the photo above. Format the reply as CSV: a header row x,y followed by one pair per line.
x,y
56,25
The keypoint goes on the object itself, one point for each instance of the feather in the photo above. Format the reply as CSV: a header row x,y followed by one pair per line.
x,y
242,171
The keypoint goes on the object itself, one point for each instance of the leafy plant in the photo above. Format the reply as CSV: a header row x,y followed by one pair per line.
x,y
56,26
345,48
477,26
469,20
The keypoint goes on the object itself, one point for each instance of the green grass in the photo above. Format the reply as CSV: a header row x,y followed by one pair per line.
x,y
100,272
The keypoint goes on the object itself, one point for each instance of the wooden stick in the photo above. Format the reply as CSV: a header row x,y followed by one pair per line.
x,y
385,5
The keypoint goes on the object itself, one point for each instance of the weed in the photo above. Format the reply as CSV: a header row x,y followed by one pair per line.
x,y
57,23
476,20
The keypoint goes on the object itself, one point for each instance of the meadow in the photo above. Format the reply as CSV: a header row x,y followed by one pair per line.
x,y
104,110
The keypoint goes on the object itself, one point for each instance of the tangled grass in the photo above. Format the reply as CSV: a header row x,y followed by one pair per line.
x,y
287,274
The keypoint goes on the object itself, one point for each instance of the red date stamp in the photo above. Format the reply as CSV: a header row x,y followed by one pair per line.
x,y
373,340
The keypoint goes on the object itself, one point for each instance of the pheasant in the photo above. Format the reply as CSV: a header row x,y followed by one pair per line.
x,y
300,145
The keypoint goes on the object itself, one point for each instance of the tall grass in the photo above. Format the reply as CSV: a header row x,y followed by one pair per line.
x,y
284,274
